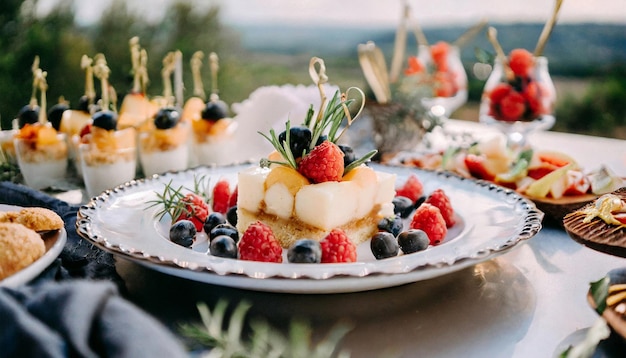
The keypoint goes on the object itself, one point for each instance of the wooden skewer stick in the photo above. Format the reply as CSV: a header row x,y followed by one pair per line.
x,y
492,34
399,45
547,29
469,34
196,66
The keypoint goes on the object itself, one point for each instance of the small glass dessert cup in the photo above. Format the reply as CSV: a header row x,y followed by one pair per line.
x,y
213,141
41,155
6,145
519,98
108,159
162,150
446,77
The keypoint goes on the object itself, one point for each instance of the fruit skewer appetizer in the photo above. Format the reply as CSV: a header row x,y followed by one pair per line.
x,y
212,128
163,146
107,153
136,109
41,150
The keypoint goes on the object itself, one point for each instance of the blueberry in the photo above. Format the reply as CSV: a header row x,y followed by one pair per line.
x,y
420,201
213,220
55,114
321,139
384,245
348,155
182,233
27,115
105,120
166,118
305,251
413,240
392,225
84,104
224,229
402,206
299,140
231,215
223,246
215,110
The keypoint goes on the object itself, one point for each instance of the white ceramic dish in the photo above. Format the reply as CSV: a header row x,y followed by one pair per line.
x,y
54,246
493,220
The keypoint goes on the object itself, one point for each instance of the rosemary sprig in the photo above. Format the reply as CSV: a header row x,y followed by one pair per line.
x,y
283,148
264,340
170,198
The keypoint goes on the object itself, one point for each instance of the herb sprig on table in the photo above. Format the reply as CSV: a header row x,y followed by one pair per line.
x,y
263,341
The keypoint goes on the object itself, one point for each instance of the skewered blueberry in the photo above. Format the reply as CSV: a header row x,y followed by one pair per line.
x,y
224,229
166,118
392,225
420,201
27,115
299,140
182,233
84,104
213,220
321,139
105,120
224,246
215,110
348,155
402,206
413,240
55,114
305,251
384,245
231,215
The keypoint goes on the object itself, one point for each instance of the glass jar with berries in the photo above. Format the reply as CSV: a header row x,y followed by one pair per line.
x,y
519,96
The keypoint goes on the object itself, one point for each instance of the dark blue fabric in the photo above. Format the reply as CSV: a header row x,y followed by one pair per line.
x,y
74,307
79,318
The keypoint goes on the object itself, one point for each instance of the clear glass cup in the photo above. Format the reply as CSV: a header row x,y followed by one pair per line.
x,y
447,79
42,165
106,167
7,147
162,150
216,146
519,105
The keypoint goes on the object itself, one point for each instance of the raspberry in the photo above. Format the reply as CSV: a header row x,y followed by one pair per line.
x,y
259,244
521,62
194,209
428,218
337,247
411,189
324,163
439,199
414,66
512,106
221,196
439,53
233,197
499,92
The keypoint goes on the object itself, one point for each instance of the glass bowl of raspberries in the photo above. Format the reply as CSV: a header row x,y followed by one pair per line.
x,y
519,96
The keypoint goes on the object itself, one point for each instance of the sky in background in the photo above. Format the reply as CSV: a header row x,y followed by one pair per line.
x,y
376,12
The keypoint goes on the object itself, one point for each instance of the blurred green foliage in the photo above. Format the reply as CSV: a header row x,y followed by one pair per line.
x,y
60,42
601,110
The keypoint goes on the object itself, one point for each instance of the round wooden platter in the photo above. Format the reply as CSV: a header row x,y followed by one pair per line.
x,y
556,209
597,234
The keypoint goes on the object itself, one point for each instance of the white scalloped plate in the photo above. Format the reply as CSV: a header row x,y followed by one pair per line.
x,y
54,245
492,221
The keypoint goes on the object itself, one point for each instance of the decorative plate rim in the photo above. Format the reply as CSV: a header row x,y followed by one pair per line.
x,y
528,224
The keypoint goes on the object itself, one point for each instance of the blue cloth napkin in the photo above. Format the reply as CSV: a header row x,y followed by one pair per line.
x,y
79,318
74,307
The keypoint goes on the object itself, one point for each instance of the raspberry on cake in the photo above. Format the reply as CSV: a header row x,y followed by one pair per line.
x,y
305,189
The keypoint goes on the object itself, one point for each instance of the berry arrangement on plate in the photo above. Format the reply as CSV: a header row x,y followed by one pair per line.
x,y
311,201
